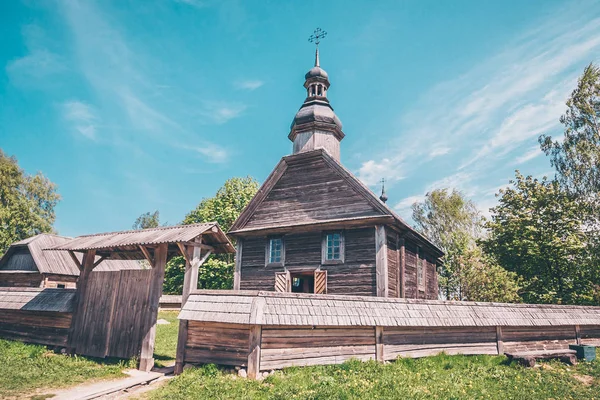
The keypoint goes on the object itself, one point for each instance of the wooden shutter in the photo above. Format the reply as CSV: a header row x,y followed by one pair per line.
x,y
320,282
282,282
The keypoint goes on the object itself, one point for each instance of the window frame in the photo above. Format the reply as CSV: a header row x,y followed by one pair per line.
x,y
342,259
268,251
421,271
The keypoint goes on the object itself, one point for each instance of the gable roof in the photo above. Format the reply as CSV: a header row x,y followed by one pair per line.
x,y
54,262
312,188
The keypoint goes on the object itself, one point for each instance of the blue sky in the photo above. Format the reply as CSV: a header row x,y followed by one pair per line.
x,y
133,106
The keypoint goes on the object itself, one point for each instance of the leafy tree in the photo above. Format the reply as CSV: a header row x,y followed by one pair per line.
x,y
536,232
224,207
577,157
147,220
26,203
482,279
454,224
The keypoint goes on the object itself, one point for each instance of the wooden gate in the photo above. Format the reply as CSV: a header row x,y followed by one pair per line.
x,y
113,318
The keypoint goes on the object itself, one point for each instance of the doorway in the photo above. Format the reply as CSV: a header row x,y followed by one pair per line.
x,y
303,282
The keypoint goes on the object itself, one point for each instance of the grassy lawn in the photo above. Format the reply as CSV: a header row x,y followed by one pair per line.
x,y
165,345
26,368
439,377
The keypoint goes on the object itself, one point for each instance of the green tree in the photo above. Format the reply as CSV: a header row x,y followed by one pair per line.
x,y
228,203
147,220
536,232
454,223
577,156
26,203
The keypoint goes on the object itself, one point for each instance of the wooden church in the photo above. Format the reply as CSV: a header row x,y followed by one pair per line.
x,y
313,227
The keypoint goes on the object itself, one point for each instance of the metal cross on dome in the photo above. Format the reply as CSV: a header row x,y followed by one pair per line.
x,y
317,35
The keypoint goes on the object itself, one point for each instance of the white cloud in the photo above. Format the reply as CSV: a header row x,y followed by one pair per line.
x,y
221,112
38,63
82,117
372,172
209,152
530,154
406,203
249,84
498,107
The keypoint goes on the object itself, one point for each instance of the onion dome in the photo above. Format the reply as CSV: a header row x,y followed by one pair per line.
x,y
315,124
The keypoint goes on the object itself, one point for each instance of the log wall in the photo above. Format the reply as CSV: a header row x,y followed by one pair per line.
x,y
225,344
21,279
39,327
286,346
355,276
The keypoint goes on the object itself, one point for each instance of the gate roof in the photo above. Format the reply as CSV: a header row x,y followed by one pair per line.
x,y
126,244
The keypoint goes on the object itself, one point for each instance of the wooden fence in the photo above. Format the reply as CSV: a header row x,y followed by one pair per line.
x,y
266,330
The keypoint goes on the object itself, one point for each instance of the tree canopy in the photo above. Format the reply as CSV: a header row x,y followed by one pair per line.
x,y
147,220
27,203
536,232
228,203
454,224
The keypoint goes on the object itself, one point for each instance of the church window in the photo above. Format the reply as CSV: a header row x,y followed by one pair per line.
x,y
275,251
333,247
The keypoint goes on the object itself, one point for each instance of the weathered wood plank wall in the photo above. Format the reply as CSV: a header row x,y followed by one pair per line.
x,y
303,252
225,344
285,346
39,327
113,309
21,279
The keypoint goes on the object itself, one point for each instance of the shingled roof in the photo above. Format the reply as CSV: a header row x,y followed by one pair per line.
x,y
37,299
271,308
30,255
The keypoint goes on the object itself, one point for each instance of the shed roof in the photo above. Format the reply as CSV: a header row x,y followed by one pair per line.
x,y
270,308
37,299
36,258
126,243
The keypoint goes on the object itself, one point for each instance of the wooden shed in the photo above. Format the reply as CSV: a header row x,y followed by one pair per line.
x,y
27,263
267,330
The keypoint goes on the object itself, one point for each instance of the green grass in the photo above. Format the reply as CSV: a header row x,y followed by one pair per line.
x,y
165,345
439,377
26,368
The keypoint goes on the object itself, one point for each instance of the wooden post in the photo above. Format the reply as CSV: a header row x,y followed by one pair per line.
x,y
237,274
381,261
578,334
379,356
79,300
154,293
190,283
402,268
254,351
499,342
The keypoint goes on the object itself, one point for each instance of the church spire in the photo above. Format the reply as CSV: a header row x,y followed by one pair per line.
x,y
316,126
